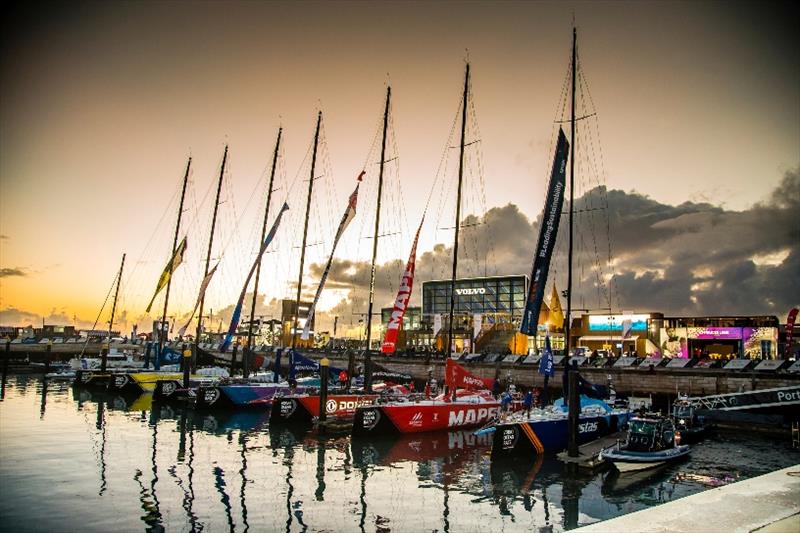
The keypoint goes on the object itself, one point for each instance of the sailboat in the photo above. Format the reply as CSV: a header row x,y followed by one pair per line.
x,y
93,372
550,429
248,393
138,382
467,401
303,408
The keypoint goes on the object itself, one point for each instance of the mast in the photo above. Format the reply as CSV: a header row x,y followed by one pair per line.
x,y
208,256
305,231
161,335
574,406
368,357
104,360
245,357
458,213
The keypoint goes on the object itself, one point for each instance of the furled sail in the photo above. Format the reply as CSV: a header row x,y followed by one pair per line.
x,y
237,312
349,215
174,262
547,236
401,302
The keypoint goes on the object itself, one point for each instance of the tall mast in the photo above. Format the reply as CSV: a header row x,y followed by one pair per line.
x,y
572,380
208,253
458,212
368,357
305,231
568,317
104,360
161,335
245,361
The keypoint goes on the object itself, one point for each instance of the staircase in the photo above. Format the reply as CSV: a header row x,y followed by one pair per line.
x,y
495,339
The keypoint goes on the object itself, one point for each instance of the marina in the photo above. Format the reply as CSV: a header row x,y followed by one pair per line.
x,y
179,469
525,327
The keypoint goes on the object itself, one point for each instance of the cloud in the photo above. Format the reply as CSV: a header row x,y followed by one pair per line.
x,y
8,272
689,259
11,316
4,237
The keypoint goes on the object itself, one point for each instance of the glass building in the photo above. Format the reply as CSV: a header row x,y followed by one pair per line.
x,y
498,299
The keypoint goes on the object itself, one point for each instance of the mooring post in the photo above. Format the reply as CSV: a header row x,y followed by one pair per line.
x,y
574,411
187,365
323,392
7,357
47,356
104,358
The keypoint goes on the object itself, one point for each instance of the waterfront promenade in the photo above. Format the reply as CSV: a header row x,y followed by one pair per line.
x,y
764,504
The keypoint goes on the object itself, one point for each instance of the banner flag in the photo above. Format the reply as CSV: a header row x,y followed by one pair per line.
x,y
401,302
790,331
456,375
203,287
477,324
237,311
349,215
174,262
437,323
546,367
551,216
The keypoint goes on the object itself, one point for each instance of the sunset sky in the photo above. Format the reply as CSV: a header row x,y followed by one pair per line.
x,y
698,120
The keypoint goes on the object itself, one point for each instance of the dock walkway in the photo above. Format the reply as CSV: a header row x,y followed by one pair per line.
x,y
768,503
588,453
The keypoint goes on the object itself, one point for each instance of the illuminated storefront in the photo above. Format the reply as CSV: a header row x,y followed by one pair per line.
x,y
617,333
720,337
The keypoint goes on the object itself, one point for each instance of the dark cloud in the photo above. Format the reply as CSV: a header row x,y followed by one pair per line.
x,y
4,237
18,317
690,259
8,272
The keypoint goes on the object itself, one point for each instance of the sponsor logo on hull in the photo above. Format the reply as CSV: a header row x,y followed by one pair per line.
x,y
168,388
370,418
471,416
287,407
211,395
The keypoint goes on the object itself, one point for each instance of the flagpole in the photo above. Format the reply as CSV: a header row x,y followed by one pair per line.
x,y
157,363
199,330
246,354
367,355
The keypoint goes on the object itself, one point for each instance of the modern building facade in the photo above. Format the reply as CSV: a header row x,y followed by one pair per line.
x,y
715,337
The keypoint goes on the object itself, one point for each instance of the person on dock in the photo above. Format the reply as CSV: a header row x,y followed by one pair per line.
x,y
343,378
505,403
527,402
496,389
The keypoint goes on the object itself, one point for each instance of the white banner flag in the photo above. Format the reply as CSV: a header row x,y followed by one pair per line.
x,y
437,324
477,323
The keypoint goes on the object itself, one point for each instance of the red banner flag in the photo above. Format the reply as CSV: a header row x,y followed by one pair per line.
x,y
401,302
456,375
790,330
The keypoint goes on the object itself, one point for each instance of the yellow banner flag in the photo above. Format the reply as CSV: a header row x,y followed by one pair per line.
x,y
177,259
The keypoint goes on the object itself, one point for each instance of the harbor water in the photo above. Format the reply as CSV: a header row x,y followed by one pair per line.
x,y
74,460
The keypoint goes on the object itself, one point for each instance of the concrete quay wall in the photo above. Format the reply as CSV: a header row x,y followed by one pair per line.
x,y
765,503
633,381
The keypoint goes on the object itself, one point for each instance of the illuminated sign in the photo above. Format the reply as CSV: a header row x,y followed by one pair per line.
x,y
614,322
464,292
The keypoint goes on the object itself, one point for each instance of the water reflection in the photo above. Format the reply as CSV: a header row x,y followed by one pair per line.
x,y
232,471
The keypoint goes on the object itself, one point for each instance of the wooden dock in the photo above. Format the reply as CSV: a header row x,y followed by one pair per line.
x,y
588,453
